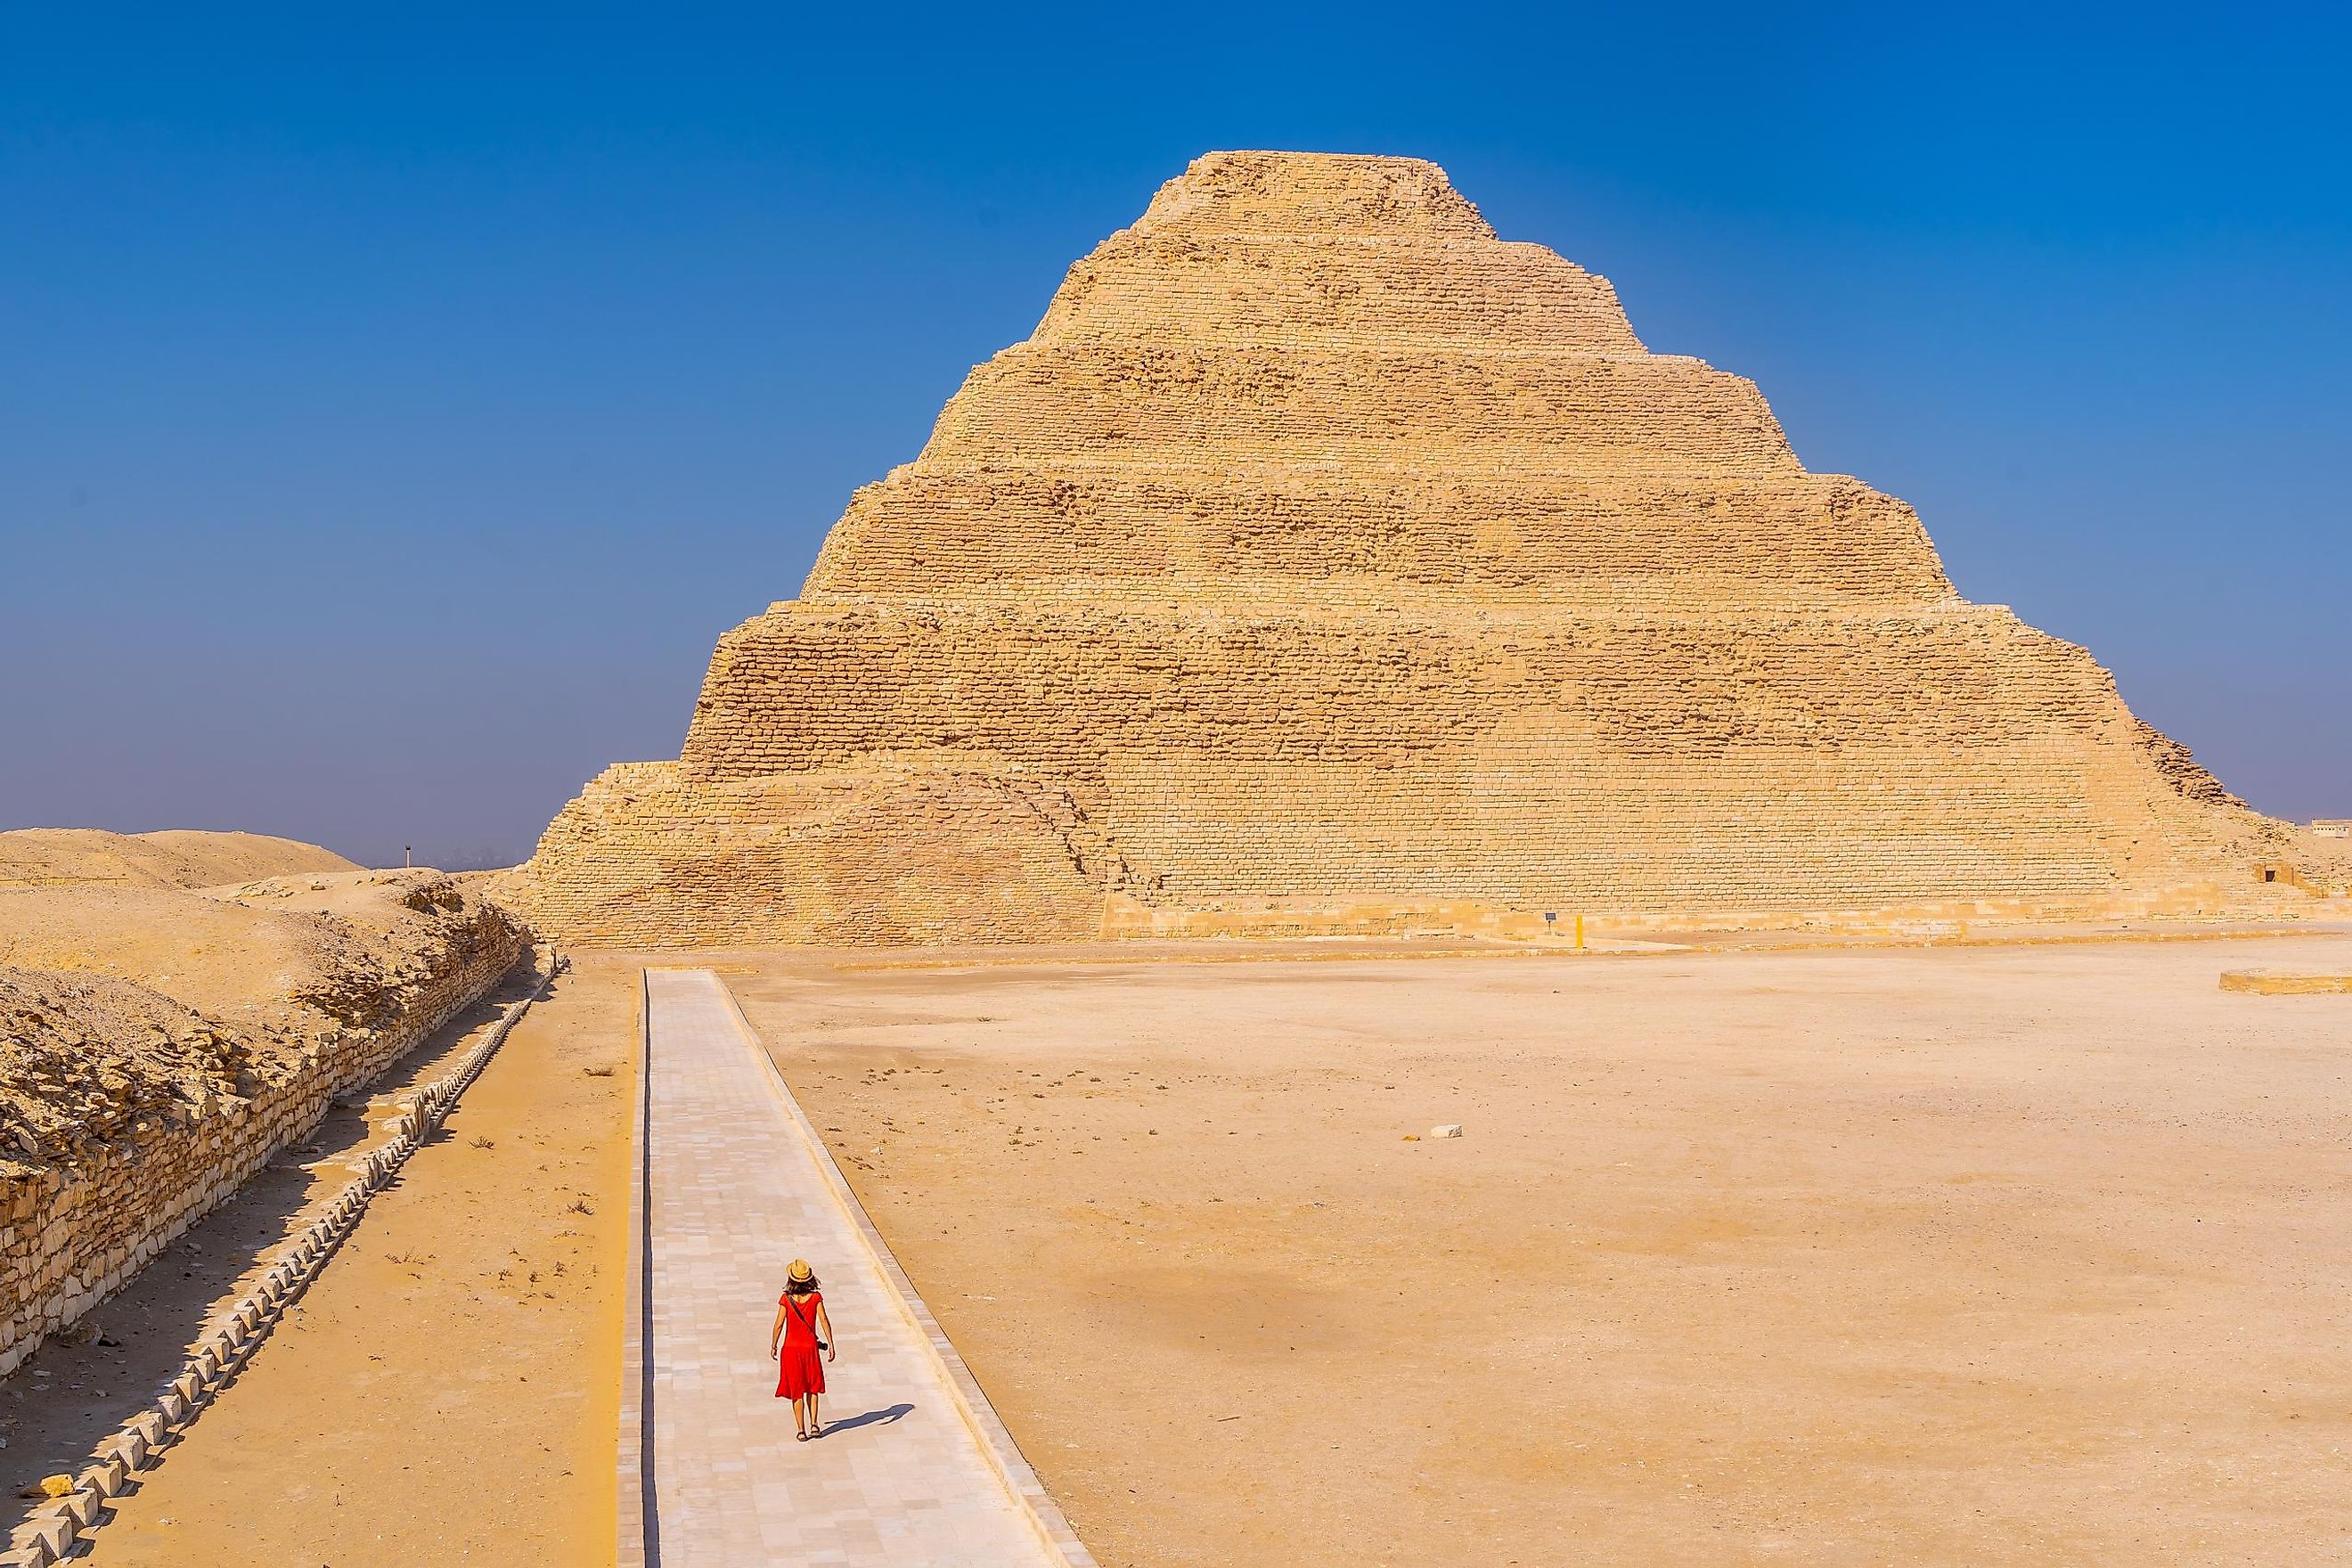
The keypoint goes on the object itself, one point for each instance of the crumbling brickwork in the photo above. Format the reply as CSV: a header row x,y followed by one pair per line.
x,y
126,1116
1322,551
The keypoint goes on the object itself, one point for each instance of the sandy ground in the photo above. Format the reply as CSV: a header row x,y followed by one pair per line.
x,y
2020,1254
447,1389
2027,1254
171,859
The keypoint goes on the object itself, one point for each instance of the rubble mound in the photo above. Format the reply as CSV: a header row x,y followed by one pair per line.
x,y
157,1045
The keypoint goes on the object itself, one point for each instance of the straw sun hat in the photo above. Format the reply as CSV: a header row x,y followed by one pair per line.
x,y
800,1273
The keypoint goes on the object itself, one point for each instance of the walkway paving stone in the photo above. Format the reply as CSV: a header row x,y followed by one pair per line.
x,y
737,1186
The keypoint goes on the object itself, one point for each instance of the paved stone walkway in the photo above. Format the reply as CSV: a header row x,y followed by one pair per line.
x,y
916,1469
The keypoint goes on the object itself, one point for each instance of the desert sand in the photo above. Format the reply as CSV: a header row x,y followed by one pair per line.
x,y
2025,1254
41,856
447,1391
2029,1253
294,953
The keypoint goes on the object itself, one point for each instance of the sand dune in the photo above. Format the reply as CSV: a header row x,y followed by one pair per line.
x,y
175,858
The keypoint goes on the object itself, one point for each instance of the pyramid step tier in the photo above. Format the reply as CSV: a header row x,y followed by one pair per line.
x,y
1314,194
1330,533
1062,687
1338,294
917,849
1141,400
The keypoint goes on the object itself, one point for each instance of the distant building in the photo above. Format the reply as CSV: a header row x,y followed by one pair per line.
x,y
2332,826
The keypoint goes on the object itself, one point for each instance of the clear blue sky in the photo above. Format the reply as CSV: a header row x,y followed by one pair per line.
x,y
395,403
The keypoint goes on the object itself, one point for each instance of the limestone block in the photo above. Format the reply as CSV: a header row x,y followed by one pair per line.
x,y
45,1538
104,1479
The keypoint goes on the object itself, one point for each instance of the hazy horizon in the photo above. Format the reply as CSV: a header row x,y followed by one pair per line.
x,y
398,412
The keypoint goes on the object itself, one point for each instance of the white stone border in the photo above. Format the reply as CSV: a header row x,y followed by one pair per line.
x,y
1013,1470
52,1531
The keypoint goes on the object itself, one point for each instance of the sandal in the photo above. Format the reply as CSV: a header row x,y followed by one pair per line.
x,y
800,1437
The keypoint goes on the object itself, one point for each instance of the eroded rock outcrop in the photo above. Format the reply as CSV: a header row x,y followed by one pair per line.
x,y
1325,563
157,1046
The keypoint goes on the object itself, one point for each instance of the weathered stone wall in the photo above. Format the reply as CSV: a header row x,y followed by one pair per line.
x,y
1350,537
62,1528
884,854
117,1149
1322,550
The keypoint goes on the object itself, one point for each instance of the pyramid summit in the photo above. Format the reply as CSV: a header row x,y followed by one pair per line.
x,y
1325,563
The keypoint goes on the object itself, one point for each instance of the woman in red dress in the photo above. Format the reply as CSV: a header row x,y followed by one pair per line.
x,y
801,1330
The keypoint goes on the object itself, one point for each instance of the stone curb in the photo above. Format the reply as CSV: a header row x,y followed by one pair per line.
x,y
52,1532
2283,982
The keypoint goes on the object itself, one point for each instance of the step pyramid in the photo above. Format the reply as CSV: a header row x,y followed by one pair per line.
x,y
1324,563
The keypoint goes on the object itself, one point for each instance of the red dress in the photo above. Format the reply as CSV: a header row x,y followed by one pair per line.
x,y
799,1369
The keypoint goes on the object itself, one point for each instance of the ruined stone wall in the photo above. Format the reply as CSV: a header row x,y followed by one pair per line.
x,y
1322,550
115,1152
887,853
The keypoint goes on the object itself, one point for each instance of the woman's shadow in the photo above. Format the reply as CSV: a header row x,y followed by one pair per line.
x,y
871,1419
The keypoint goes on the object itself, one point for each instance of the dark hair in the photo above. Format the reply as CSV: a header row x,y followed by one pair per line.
x,y
801,1287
